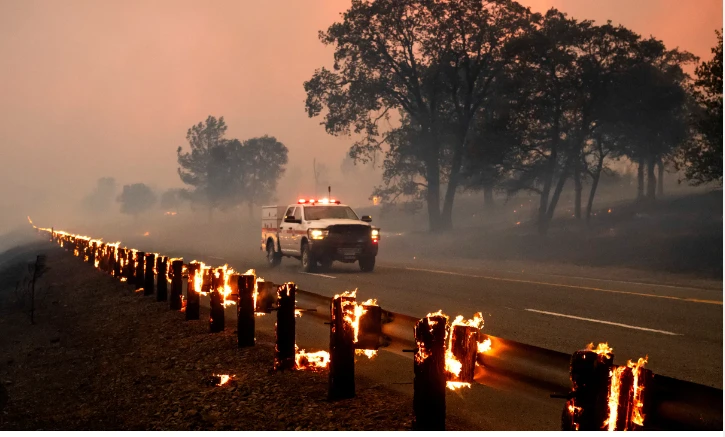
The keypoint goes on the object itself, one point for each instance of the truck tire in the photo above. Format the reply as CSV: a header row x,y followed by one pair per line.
x,y
367,264
273,258
308,260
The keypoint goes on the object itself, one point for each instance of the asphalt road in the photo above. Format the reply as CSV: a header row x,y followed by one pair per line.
x,y
679,328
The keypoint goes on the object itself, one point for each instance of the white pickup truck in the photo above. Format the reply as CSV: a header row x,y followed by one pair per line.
x,y
318,232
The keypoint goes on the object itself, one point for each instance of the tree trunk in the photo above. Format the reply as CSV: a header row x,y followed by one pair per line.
x,y
651,179
660,178
595,183
433,192
640,179
447,214
488,197
577,189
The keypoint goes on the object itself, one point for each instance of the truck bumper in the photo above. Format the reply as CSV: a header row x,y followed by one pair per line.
x,y
341,250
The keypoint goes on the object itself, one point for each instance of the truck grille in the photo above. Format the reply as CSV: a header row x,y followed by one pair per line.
x,y
349,231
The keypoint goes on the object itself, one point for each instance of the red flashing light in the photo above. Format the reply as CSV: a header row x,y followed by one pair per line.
x,y
301,201
313,201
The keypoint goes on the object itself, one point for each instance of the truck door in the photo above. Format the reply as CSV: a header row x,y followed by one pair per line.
x,y
284,230
296,233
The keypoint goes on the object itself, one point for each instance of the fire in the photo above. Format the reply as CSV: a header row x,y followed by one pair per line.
x,y
223,379
484,346
311,360
146,234
123,279
602,349
637,389
226,289
370,353
454,385
613,399
170,213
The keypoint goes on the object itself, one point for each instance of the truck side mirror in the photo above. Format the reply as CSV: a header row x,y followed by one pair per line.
x,y
290,219
367,218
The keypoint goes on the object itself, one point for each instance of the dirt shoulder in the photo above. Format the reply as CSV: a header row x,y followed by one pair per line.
x,y
101,357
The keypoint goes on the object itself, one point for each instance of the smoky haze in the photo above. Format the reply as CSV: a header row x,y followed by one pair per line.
x,y
108,89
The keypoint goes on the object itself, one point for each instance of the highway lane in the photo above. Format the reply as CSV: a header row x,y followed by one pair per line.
x,y
679,328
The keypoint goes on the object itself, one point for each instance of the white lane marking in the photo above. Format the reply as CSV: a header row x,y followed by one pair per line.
x,y
602,321
525,281
319,274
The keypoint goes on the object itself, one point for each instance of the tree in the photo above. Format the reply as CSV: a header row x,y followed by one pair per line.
x,y
136,198
199,168
430,61
101,198
701,157
172,198
264,159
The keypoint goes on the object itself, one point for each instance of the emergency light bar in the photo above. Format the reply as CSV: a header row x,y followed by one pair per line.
x,y
323,201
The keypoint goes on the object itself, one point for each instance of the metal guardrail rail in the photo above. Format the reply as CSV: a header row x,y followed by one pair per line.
x,y
678,405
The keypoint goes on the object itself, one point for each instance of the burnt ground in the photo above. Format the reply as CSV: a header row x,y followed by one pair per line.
x,y
101,357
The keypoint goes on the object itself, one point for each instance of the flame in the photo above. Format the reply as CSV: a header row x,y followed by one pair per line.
x,y
602,349
637,390
454,385
484,346
146,234
311,360
226,289
224,379
613,399
123,279
370,353
96,262
573,412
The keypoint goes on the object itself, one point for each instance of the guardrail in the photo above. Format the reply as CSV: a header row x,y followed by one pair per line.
x,y
673,404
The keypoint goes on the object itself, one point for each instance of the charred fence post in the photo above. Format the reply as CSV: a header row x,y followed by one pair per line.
x,y
148,287
216,302
192,294
371,328
245,310
429,383
177,266
139,269
162,284
342,349
284,353
587,408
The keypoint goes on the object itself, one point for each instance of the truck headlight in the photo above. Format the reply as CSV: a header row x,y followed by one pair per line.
x,y
318,234
375,233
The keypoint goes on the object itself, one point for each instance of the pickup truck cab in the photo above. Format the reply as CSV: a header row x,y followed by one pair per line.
x,y
318,232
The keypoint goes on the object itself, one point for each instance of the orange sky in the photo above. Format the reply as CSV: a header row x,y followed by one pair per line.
x,y
108,88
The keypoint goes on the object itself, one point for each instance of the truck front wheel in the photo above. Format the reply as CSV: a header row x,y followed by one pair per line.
x,y
367,264
308,260
273,258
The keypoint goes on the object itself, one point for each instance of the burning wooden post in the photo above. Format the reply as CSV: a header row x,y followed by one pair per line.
x,y
342,348
129,268
284,353
139,269
162,284
216,302
192,293
92,254
429,383
117,256
177,266
464,350
587,408
246,300
370,327
148,288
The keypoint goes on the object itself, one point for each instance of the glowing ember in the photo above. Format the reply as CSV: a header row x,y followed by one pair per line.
x,y
311,360
453,385
123,279
223,379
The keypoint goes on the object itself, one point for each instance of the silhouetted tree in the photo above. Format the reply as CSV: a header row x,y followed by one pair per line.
x,y
136,198
702,157
172,198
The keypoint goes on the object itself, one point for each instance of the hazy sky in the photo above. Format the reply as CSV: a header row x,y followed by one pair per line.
x,y
108,88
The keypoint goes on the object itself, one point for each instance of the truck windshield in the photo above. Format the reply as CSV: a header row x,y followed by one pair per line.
x,y
329,212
